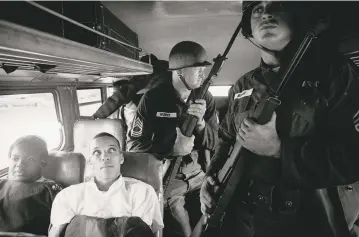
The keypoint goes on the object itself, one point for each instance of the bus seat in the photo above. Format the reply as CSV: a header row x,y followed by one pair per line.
x,y
144,167
85,130
65,168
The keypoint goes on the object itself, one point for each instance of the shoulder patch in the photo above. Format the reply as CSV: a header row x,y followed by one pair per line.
x,y
243,94
356,121
137,127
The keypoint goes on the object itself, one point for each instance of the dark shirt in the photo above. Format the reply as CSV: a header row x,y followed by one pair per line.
x,y
26,207
159,113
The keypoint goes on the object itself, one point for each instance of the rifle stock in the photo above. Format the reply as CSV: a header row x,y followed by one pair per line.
x,y
231,174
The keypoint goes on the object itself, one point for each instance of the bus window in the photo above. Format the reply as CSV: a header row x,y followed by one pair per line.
x,y
89,101
109,91
219,91
28,114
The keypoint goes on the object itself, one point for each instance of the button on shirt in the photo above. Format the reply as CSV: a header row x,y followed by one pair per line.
x,y
125,197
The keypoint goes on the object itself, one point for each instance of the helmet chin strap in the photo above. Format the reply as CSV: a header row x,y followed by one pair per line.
x,y
272,52
183,81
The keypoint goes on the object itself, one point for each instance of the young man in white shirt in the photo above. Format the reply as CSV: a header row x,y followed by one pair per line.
x,y
108,194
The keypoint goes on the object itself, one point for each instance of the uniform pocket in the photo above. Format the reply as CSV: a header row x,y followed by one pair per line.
x,y
239,117
302,120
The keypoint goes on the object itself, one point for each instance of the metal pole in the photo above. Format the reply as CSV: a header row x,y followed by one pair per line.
x,y
81,25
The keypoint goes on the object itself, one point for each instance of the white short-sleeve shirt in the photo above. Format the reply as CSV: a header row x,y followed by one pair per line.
x,y
125,197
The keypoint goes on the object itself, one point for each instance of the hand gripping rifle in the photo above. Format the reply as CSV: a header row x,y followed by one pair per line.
x,y
190,121
230,175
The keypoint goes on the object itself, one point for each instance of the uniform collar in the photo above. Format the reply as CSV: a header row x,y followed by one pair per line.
x,y
268,77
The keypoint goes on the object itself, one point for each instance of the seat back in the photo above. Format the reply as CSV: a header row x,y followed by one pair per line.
x,y
65,168
85,130
144,167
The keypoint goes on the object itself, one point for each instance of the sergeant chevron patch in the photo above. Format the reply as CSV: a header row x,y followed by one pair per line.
x,y
356,121
137,128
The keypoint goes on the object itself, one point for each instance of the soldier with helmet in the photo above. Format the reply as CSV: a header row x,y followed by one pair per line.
x,y
155,129
300,165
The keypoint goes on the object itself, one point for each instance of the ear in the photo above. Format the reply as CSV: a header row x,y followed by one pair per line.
x,y
179,73
122,159
43,163
89,161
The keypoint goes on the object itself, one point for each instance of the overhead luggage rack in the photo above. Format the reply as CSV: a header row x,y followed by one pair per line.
x,y
23,48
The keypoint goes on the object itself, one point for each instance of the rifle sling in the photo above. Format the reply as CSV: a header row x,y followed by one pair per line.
x,y
175,164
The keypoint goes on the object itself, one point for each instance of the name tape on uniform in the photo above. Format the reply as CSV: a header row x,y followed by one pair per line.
x,y
243,94
166,115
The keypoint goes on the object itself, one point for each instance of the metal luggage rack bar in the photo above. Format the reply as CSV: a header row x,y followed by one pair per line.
x,y
26,48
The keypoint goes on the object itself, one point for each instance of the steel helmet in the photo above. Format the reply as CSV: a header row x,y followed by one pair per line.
x,y
296,8
187,54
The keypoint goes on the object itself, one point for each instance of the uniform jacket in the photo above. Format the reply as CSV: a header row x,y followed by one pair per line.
x,y
317,124
159,113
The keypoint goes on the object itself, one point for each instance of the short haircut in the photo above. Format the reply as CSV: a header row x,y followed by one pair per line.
x,y
105,134
35,142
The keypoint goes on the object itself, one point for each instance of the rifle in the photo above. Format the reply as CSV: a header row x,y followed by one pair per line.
x,y
190,121
230,175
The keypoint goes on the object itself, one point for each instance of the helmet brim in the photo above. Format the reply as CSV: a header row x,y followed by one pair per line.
x,y
201,64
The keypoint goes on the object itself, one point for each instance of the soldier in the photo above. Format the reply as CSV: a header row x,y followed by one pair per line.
x,y
26,196
155,129
310,145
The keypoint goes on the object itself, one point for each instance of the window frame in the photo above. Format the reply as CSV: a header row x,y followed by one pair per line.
x,y
103,92
58,111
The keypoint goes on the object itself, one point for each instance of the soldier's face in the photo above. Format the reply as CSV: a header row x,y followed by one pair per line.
x,y
25,164
194,76
271,25
106,158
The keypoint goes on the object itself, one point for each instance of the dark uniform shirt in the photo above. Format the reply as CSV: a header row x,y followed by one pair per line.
x,y
159,113
317,124
26,207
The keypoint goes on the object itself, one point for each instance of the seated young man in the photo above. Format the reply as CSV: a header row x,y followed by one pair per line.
x,y
107,195
26,197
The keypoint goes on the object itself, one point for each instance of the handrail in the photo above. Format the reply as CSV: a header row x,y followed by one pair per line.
x,y
81,25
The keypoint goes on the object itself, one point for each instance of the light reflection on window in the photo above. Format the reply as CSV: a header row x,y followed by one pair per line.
x,y
28,114
89,101
219,90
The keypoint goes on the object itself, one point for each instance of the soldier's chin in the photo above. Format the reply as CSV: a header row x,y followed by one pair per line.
x,y
196,85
